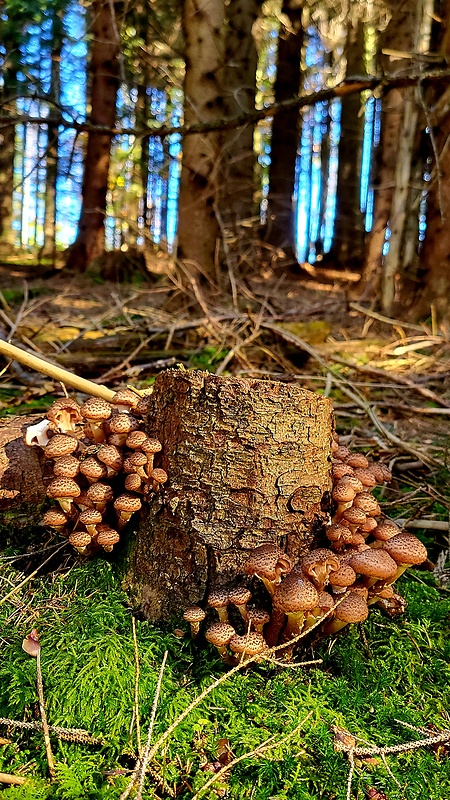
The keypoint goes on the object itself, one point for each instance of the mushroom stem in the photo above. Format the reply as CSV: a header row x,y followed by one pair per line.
x,y
294,625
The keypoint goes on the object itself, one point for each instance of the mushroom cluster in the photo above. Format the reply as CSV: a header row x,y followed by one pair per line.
x,y
101,466
364,556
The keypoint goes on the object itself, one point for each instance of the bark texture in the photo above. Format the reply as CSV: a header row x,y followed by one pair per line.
x,y
285,132
248,462
104,68
22,490
198,228
400,36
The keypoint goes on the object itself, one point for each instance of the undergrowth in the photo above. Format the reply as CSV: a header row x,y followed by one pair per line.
x,y
88,669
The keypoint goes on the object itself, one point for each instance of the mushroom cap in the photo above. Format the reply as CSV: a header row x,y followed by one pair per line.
x,y
357,460
355,516
239,595
55,517
342,453
96,410
374,563
352,609
143,405
66,467
258,616
343,492
194,614
385,530
369,525
366,477
132,482
338,533
136,439
325,602
220,633
127,502
380,472
137,459
159,475
64,413
80,538
107,536
111,456
340,469
317,565
123,423
151,446
125,397
295,594
405,548
360,590
344,576
218,598
63,487
100,493
267,560
61,445
367,503
90,516
251,643
92,468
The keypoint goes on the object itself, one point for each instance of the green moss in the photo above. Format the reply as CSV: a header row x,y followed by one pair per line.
x,y
88,668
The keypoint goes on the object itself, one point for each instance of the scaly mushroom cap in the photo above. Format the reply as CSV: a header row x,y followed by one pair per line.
x,y
385,530
251,643
64,414
353,481
374,564
60,445
137,460
295,594
268,561
194,614
258,617
90,516
340,469
63,488
325,602
123,423
136,439
380,472
369,525
357,461
352,609
218,599
239,596
66,467
92,469
55,517
343,577
342,453
318,564
159,476
107,537
151,446
96,410
125,399
111,457
343,492
133,482
366,477
338,534
80,539
354,516
367,503
219,634
405,548
100,493
128,503
143,406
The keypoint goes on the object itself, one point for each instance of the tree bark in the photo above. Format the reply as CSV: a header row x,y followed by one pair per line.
x,y
399,36
49,247
248,462
285,133
238,157
347,250
198,228
22,490
104,68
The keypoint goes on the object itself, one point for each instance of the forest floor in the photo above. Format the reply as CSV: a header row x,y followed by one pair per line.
x,y
390,385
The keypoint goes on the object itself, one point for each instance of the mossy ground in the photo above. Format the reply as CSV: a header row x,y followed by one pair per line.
x,y
88,669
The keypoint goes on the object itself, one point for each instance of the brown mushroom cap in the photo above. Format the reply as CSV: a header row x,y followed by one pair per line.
x,y
343,492
63,487
80,539
100,493
374,563
96,410
123,423
126,398
133,482
151,446
143,405
354,516
343,577
90,516
218,598
136,439
251,643
159,476
295,594
268,561
55,517
325,602
219,634
366,477
318,564
340,469
61,445
380,472
107,537
239,596
64,414
258,616
405,548
66,467
342,453
92,469
385,530
110,456
194,614
367,503
352,609
127,502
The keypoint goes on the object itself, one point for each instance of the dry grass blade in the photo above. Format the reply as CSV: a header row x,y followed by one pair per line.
x,y
263,748
31,575
48,747
136,686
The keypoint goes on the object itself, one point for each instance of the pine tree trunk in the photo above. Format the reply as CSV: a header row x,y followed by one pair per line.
x,y
248,462
198,228
49,247
7,150
347,250
238,157
400,36
285,133
104,68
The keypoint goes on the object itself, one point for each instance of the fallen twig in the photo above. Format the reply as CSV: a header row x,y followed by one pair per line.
x,y
11,780
45,729
77,735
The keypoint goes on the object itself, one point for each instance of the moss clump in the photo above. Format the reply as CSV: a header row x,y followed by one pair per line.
x,y
88,666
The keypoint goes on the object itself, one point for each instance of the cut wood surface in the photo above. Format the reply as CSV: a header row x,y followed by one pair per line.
x,y
248,462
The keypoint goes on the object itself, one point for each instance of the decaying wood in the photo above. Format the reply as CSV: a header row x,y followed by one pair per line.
x,y
248,462
22,491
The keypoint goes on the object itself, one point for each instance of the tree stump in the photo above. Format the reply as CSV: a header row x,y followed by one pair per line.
x,y
248,462
22,490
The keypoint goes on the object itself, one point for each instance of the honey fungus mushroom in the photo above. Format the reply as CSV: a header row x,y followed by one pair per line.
x,y
353,608
194,615
268,562
406,550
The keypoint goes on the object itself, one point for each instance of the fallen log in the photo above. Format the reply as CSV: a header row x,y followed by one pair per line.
x,y
22,490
